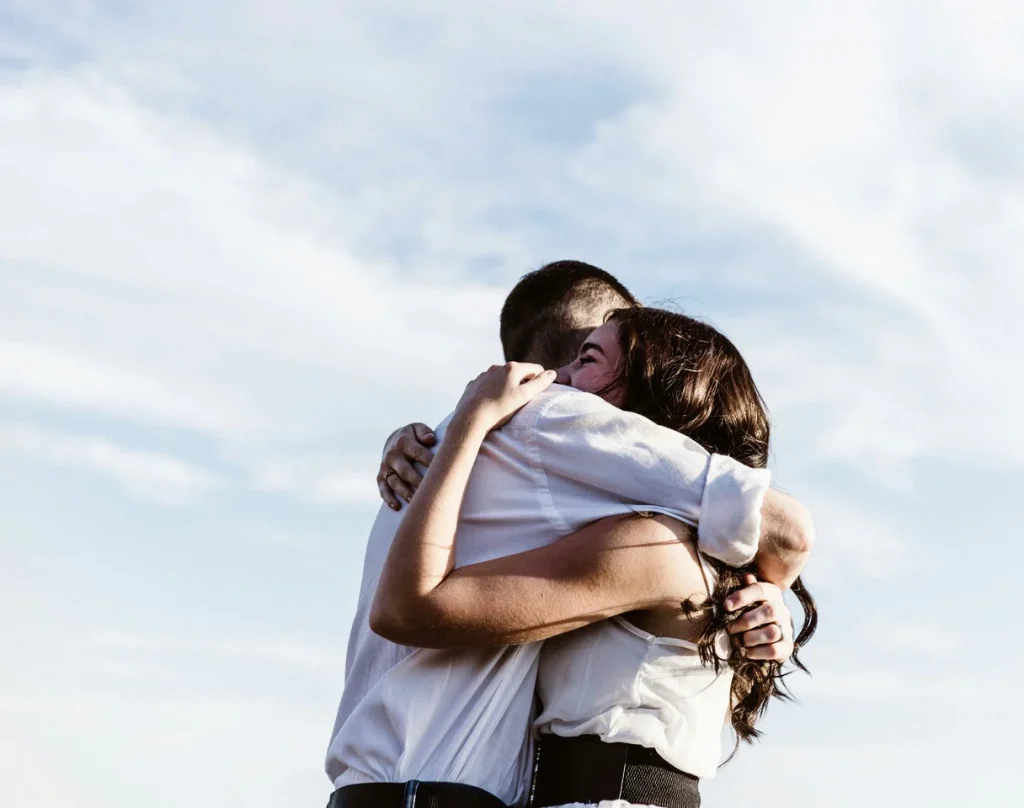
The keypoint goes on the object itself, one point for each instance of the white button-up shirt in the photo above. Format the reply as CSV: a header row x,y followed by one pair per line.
x,y
565,460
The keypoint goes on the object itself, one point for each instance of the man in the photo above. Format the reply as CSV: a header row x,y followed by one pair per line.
x,y
410,715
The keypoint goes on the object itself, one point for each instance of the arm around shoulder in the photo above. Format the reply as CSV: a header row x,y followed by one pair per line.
x,y
616,565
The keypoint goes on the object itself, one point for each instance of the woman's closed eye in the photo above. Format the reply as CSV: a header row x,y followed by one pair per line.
x,y
586,360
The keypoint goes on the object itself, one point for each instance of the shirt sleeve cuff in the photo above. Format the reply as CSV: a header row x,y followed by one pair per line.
x,y
730,511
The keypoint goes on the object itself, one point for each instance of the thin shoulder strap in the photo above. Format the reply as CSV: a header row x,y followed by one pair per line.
x,y
706,572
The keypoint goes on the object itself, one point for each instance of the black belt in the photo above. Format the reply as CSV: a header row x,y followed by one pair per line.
x,y
414,794
586,769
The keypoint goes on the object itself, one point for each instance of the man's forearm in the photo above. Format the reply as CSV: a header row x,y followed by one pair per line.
x,y
787,536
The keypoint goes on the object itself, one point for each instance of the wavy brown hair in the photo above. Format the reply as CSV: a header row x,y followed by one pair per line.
x,y
684,375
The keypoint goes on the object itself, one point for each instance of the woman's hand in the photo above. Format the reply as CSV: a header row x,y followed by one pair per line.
x,y
497,394
765,630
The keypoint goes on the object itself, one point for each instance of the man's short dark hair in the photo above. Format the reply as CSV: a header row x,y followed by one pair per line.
x,y
546,315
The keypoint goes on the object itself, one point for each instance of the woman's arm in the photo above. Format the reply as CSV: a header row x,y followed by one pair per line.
x,y
422,552
608,568
616,565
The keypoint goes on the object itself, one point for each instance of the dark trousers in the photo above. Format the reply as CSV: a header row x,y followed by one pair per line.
x,y
414,794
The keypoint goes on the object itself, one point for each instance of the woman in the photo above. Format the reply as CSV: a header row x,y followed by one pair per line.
x,y
633,706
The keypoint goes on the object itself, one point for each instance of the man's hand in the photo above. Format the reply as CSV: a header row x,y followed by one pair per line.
x,y
398,476
765,631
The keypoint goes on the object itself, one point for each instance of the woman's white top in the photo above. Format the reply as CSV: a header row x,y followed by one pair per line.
x,y
615,680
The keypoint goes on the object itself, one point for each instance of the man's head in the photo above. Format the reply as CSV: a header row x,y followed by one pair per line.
x,y
549,312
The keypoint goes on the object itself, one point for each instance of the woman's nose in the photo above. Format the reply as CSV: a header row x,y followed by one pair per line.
x,y
563,375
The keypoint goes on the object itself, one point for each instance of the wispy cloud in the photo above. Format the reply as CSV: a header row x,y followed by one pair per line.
x,y
917,638
250,318
872,170
914,685
277,257
273,650
147,474
857,542
320,477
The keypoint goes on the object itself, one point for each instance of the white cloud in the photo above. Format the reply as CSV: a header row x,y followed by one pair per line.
x,y
879,685
264,650
133,739
856,542
194,286
321,477
893,767
68,376
266,247
912,637
154,476
284,537
834,145
819,127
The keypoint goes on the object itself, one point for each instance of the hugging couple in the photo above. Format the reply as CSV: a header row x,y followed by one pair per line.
x,y
586,587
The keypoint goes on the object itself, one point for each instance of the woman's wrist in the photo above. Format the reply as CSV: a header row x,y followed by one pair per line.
x,y
471,424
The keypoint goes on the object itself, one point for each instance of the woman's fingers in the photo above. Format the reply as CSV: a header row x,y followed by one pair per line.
x,y
500,392
765,614
525,369
536,384
763,635
751,594
775,652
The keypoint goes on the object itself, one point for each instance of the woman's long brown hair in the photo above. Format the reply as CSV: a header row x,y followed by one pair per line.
x,y
685,375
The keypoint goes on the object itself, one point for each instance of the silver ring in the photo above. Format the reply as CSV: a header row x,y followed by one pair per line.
x,y
782,631
396,474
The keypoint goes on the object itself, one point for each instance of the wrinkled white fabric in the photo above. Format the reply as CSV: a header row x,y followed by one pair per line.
x,y
565,460
616,681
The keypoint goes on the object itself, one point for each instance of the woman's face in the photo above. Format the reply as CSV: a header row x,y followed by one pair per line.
x,y
597,365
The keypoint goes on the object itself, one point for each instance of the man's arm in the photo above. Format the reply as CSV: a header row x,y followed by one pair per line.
x,y
595,457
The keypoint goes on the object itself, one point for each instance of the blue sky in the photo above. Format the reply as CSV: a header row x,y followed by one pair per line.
x,y
239,245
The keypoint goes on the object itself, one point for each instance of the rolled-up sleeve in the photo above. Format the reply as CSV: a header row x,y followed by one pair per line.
x,y
592,453
729,528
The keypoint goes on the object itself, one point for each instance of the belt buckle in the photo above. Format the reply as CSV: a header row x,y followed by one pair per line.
x,y
409,799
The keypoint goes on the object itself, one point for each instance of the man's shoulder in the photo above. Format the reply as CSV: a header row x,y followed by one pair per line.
x,y
559,401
